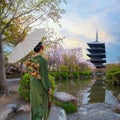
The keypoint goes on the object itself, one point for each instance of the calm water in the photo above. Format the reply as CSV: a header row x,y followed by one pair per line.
x,y
99,92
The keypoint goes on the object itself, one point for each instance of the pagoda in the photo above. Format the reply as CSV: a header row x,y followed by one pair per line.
x,y
97,53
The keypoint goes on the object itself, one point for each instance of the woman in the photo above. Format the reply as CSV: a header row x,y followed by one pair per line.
x,y
39,86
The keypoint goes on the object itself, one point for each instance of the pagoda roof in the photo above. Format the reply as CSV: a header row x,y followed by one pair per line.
x,y
96,50
100,55
98,60
96,44
100,66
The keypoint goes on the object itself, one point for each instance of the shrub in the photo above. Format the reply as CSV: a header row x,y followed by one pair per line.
x,y
76,74
52,83
113,70
63,68
55,74
64,75
113,75
109,76
69,107
116,75
24,88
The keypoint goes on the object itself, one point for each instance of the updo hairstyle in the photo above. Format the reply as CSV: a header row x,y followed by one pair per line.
x,y
38,47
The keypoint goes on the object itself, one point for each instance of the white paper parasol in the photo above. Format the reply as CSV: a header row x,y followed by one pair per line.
x,y
26,46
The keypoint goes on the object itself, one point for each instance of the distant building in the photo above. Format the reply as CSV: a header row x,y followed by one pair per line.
x,y
97,53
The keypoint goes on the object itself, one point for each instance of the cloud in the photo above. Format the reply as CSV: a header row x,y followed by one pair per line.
x,y
74,41
87,28
83,17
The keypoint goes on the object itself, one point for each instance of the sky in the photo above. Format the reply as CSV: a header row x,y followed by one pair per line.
x,y
81,20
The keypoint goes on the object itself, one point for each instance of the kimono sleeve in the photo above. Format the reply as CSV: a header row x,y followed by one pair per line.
x,y
44,74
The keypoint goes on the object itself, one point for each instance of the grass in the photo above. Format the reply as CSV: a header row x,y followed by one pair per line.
x,y
69,107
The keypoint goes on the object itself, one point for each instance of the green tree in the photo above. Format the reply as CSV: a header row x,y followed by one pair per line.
x,y
16,16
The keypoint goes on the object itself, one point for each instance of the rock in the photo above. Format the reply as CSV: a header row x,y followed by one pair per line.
x,y
6,112
96,111
13,106
117,108
118,97
24,109
65,97
57,113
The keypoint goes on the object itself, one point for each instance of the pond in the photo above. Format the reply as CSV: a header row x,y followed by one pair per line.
x,y
99,92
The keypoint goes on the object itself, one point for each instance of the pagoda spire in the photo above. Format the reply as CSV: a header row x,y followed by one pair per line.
x,y
96,36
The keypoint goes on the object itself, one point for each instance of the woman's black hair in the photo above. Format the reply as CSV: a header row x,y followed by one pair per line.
x,y
38,47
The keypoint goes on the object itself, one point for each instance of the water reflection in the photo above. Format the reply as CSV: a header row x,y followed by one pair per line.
x,y
71,86
110,98
99,92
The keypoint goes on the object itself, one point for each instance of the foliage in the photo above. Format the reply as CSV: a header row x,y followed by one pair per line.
x,y
109,76
113,70
113,74
64,75
69,107
24,88
17,16
52,83
116,75
75,74
56,75
63,68
16,19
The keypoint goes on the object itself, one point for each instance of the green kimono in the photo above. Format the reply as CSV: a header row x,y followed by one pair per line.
x,y
39,96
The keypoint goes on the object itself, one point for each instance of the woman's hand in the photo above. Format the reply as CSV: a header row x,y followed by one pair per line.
x,y
50,91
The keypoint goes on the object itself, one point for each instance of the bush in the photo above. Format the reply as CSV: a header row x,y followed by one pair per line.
x,y
64,75
69,107
76,74
56,75
52,83
63,68
113,70
116,75
109,76
24,88
113,75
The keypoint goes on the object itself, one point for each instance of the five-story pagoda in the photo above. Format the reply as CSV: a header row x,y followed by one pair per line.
x,y
97,53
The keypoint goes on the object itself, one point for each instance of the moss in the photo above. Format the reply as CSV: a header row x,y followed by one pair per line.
x,y
69,107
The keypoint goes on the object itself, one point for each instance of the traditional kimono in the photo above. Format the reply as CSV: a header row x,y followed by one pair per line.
x,y
39,87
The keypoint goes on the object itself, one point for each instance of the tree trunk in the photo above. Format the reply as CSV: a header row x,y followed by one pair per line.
x,y
21,73
3,81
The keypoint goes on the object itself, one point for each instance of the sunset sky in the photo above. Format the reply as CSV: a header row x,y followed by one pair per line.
x,y
83,17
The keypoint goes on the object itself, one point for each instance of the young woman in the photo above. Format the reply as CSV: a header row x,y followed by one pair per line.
x,y
39,85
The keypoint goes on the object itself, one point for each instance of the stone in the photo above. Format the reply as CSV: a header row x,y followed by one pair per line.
x,y
117,108
65,97
118,97
96,111
24,109
13,106
57,113
6,112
